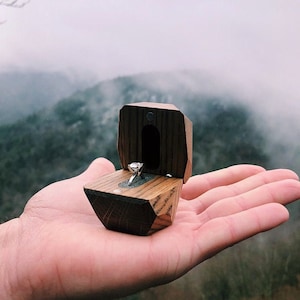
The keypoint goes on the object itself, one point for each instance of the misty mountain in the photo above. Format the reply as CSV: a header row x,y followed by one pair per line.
x,y
60,141
22,93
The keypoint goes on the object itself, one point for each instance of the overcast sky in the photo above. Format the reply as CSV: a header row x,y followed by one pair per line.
x,y
114,37
251,46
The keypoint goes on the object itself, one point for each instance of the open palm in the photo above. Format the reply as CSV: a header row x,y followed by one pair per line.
x,y
63,250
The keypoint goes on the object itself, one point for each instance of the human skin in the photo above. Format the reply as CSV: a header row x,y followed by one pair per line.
x,y
58,248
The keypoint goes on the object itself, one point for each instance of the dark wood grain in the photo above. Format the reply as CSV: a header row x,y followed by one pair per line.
x,y
160,136
140,210
175,131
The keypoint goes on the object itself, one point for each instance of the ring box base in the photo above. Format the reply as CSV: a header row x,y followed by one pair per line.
x,y
139,209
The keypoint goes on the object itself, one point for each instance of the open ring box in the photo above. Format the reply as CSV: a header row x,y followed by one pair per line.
x,y
159,136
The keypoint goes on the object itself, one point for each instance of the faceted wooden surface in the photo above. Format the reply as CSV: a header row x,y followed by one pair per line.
x,y
169,151
139,210
159,136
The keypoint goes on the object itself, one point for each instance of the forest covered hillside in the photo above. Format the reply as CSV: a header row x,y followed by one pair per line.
x,y
60,141
23,93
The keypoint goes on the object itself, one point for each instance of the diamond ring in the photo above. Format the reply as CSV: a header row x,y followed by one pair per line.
x,y
136,169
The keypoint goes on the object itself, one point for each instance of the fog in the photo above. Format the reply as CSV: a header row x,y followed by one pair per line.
x,y
247,49
253,43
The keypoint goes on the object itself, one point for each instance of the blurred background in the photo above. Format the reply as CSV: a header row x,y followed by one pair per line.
x,y
67,67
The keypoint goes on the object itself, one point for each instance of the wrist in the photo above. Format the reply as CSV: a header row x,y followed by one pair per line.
x,y
9,234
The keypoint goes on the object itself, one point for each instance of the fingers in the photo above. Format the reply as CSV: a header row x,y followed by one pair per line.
x,y
282,192
243,186
97,168
220,233
197,185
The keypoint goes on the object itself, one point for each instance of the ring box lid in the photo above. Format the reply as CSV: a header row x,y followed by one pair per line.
x,y
157,134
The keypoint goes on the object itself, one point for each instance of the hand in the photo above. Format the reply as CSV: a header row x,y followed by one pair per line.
x,y
58,249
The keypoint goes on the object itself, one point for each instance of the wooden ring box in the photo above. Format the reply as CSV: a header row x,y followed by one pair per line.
x,y
160,136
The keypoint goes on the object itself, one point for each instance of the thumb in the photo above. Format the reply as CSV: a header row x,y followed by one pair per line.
x,y
99,167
